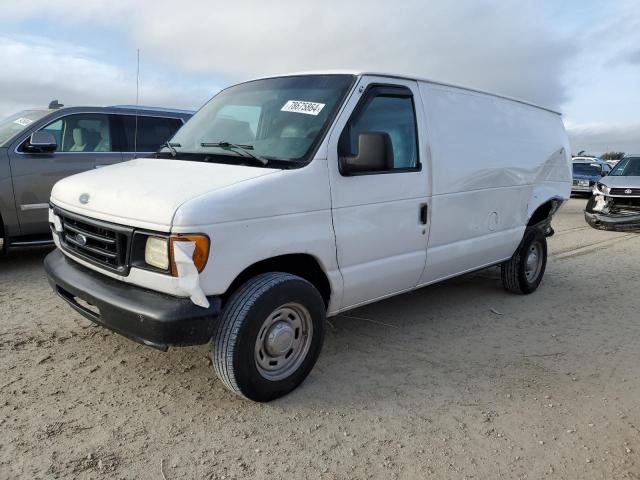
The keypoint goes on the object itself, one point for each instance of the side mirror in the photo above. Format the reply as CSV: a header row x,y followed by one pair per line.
x,y
375,153
41,142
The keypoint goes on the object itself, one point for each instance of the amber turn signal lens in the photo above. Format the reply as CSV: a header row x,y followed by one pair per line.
x,y
200,253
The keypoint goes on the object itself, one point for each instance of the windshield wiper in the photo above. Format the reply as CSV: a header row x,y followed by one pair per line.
x,y
243,148
170,146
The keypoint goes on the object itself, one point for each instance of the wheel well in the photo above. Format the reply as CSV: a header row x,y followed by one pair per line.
x,y
300,264
542,213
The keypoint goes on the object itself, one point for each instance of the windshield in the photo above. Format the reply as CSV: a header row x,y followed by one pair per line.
x,y
587,169
280,118
13,125
627,167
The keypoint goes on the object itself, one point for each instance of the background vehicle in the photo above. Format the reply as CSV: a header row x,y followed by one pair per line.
x,y
615,202
39,147
586,174
612,163
287,199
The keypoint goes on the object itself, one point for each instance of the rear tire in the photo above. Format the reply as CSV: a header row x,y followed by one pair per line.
x,y
269,336
4,241
523,272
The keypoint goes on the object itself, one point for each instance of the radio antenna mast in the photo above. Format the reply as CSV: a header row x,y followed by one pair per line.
x,y
135,134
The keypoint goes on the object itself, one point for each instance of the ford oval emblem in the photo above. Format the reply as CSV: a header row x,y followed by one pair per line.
x,y
84,198
81,239
628,191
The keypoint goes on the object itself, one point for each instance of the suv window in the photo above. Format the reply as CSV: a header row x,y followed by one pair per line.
x,y
390,111
152,132
81,133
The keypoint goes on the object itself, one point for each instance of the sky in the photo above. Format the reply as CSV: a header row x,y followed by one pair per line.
x,y
579,57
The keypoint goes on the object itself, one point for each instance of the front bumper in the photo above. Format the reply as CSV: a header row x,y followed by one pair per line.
x,y
581,189
612,213
146,316
621,223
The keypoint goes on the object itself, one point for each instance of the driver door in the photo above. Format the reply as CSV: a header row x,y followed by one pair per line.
x,y
380,217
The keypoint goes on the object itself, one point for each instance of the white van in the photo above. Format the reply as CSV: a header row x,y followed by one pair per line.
x,y
288,199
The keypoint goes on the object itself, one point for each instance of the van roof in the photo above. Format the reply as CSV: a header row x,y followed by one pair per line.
x,y
409,77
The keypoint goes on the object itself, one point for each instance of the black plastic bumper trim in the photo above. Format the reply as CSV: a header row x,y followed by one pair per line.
x,y
146,316
623,223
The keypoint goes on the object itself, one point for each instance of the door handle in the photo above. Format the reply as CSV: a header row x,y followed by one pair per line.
x,y
424,213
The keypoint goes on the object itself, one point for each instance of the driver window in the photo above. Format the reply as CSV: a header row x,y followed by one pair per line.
x,y
81,133
393,115
55,129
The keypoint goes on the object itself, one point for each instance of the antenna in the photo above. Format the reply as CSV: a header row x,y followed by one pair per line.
x,y
135,132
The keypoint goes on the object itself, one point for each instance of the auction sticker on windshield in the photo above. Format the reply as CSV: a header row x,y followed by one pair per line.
x,y
23,121
300,106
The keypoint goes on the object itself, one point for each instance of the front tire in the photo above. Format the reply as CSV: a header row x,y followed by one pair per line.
x,y
269,336
523,272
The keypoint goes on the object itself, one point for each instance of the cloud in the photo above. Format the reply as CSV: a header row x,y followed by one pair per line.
x,y
512,48
506,47
598,138
632,57
36,71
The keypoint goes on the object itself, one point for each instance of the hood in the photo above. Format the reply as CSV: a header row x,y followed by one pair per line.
x,y
146,192
616,181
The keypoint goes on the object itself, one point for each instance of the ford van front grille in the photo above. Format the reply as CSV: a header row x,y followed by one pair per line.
x,y
102,243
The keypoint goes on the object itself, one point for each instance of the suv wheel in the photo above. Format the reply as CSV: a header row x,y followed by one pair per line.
x,y
523,272
269,336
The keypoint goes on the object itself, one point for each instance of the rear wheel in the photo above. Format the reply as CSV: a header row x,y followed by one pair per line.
x,y
523,272
4,241
269,336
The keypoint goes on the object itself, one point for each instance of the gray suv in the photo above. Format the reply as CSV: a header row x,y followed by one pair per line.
x,y
39,147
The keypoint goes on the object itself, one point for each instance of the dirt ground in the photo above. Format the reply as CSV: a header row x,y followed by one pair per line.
x,y
457,380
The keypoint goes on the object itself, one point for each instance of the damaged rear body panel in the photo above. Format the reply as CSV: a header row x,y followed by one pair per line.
x,y
615,202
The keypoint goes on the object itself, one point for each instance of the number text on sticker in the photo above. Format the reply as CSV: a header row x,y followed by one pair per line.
x,y
300,106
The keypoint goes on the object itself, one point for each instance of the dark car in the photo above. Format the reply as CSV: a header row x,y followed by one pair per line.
x,y
615,203
587,173
39,147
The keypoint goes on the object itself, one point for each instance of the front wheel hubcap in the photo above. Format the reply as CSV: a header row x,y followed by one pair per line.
x,y
533,262
279,339
283,341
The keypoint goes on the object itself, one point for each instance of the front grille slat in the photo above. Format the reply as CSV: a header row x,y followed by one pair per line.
x,y
96,251
110,241
623,191
101,243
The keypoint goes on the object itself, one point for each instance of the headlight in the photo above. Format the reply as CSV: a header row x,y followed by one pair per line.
x,y
603,188
156,252
200,253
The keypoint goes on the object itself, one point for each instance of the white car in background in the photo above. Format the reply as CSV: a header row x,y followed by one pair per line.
x,y
615,202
